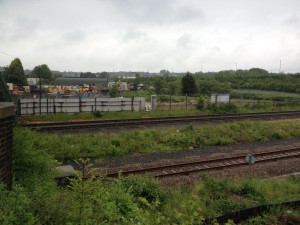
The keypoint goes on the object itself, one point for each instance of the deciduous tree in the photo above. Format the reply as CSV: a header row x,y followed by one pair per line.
x,y
188,83
15,73
42,71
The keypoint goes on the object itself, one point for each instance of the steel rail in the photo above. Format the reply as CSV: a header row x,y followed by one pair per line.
x,y
205,165
153,121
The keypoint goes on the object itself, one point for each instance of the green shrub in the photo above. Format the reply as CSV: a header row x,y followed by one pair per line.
x,y
275,135
116,143
189,129
97,114
248,190
215,189
164,98
222,108
31,162
145,187
200,103
15,206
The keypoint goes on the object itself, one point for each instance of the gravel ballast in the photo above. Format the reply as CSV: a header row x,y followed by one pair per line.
x,y
258,170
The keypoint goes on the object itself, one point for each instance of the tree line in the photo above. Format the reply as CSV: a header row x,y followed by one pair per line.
x,y
223,82
14,73
165,83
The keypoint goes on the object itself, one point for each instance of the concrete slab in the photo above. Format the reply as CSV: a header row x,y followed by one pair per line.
x,y
65,171
7,109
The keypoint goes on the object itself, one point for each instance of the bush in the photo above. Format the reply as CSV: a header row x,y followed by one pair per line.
x,y
145,187
222,108
97,114
15,207
216,189
200,103
31,163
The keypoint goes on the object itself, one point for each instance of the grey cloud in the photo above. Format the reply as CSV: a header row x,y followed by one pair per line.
x,y
240,49
160,33
132,34
294,20
74,36
157,12
187,12
184,40
214,49
18,29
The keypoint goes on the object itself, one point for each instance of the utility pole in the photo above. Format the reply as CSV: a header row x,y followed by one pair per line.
x,y
40,99
280,66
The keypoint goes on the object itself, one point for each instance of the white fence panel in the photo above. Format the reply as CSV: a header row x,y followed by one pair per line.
x,y
72,105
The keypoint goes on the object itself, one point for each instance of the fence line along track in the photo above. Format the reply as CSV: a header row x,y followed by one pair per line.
x,y
160,120
186,168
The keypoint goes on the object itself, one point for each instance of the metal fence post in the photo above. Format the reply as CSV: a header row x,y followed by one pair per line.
x,y
47,106
185,101
33,107
80,104
132,108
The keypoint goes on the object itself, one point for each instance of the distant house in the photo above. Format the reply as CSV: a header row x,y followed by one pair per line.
x,y
132,87
219,98
32,81
141,86
123,86
100,83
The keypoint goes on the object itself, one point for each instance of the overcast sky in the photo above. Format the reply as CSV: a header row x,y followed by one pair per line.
x,y
150,35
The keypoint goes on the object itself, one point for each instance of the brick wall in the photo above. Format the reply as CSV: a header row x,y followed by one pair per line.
x,y
6,143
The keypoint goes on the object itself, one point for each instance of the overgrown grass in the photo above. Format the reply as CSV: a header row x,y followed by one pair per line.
x,y
35,199
217,197
276,216
138,200
107,115
279,98
266,93
70,147
246,107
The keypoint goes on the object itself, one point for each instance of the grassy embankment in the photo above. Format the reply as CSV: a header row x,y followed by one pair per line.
x,y
265,100
240,108
135,200
102,145
107,115
36,199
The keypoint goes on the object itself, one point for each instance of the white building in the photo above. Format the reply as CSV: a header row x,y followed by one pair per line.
x,y
32,81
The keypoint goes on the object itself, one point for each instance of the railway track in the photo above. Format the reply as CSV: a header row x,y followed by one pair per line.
x,y
206,165
161,120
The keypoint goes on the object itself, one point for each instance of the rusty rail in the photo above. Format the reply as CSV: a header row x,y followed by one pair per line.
x,y
186,168
96,124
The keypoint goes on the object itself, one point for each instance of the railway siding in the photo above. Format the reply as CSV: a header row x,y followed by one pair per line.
x,y
98,124
172,169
